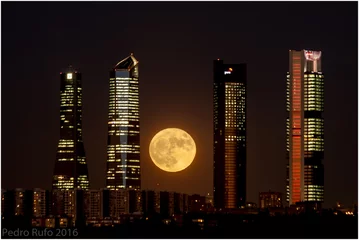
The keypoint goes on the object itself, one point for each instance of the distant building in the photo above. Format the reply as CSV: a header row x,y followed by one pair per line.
x,y
229,117
23,202
185,203
144,201
63,203
209,199
57,203
17,207
70,170
118,202
19,201
178,203
166,203
251,205
270,199
8,203
305,127
123,144
69,204
150,202
93,204
3,191
124,201
197,203
135,201
306,206
50,222
340,208
27,203
41,205
209,202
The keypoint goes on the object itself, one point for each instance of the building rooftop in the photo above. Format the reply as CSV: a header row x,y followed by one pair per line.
x,y
127,63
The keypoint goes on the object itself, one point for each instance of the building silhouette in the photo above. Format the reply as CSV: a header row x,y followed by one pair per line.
x,y
70,170
123,144
270,199
305,127
229,119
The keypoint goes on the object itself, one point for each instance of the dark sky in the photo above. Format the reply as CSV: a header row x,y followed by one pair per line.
x,y
175,44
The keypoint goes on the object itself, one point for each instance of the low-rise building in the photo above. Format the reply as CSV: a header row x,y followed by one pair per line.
x,y
270,199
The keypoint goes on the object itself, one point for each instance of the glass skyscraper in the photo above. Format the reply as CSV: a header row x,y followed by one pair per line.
x,y
230,134
123,144
70,170
305,127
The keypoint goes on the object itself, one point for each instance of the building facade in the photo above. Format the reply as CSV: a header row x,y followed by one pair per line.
x,y
167,203
270,199
63,203
151,202
93,204
305,127
40,202
70,170
124,201
123,145
196,203
178,203
229,119
23,202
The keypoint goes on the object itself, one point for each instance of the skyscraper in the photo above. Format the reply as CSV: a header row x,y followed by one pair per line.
x,y
70,170
123,144
305,127
229,118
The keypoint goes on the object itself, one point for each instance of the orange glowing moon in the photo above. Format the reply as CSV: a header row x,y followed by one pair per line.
x,y
172,150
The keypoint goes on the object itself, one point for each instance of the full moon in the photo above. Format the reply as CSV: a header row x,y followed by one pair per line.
x,y
172,149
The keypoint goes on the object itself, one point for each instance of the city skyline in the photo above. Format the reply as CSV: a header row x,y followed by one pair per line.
x,y
177,93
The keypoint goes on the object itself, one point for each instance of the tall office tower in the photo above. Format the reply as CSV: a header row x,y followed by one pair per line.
x,y
70,170
305,127
123,144
229,118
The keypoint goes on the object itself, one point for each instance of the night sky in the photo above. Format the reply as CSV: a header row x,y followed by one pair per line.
x,y
175,44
